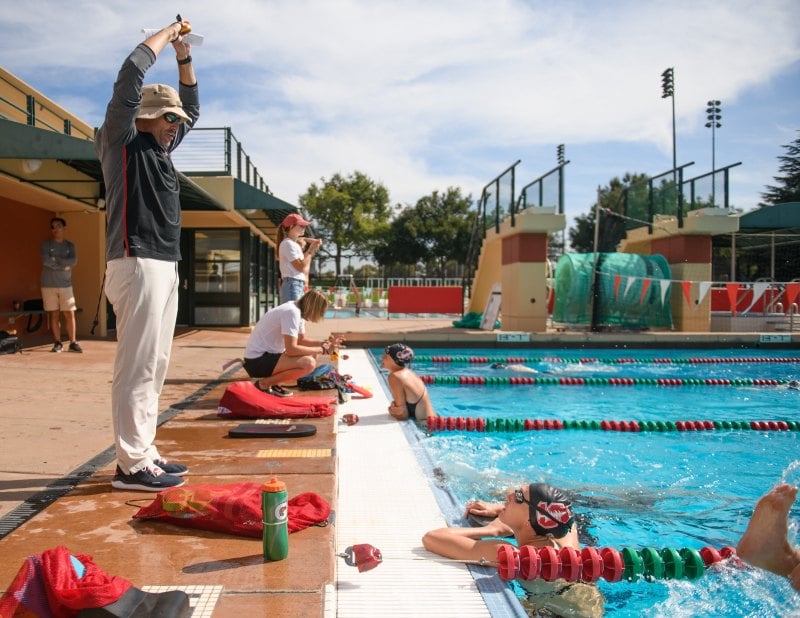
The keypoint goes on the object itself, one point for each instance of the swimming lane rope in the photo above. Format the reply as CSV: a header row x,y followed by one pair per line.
x,y
478,360
600,381
590,564
450,423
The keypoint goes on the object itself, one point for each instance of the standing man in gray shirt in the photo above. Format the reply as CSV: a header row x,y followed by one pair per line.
x,y
142,126
58,257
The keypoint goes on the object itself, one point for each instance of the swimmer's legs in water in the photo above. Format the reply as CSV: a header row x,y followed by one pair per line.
x,y
765,543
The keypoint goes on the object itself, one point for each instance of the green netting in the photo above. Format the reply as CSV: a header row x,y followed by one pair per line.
x,y
620,281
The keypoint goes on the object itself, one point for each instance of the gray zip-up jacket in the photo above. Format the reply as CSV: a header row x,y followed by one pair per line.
x,y
142,190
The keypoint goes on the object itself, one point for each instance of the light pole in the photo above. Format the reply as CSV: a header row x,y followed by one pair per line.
x,y
713,115
560,154
668,90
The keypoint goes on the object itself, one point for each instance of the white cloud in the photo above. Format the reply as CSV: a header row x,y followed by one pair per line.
x,y
423,95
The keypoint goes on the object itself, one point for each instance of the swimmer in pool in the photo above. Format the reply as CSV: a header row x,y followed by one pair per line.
x,y
518,368
765,543
537,514
410,399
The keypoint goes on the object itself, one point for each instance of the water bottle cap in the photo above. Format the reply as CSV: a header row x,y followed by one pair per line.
x,y
274,485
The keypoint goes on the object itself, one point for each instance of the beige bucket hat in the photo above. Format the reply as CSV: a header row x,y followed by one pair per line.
x,y
157,100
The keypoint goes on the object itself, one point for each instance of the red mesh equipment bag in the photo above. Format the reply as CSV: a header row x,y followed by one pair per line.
x,y
234,508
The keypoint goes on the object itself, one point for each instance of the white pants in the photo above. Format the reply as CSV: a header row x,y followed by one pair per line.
x,y
144,293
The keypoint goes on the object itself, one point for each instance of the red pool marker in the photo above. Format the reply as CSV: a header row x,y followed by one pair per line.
x,y
507,562
613,565
571,564
551,564
530,565
592,565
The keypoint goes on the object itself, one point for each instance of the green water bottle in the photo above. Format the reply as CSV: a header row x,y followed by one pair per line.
x,y
275,516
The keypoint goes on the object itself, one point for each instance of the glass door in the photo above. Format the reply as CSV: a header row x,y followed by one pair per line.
x,y
217,274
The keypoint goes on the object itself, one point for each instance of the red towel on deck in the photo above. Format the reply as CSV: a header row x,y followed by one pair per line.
x,y
245,400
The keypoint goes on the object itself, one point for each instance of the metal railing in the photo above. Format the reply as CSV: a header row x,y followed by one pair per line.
x,y
215,151
491,193
701,191
39,112
657,195
547,190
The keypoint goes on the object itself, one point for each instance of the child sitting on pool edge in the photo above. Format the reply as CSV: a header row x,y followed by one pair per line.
x,y
410,399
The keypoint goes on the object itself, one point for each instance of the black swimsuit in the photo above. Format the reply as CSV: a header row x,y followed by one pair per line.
x,y
412,407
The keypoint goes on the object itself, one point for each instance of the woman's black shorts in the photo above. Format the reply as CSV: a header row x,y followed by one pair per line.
x,y
263,366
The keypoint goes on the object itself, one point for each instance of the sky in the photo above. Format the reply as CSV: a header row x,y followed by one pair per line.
x,y
422,95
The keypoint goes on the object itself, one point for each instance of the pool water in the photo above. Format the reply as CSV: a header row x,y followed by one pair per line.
x,y
657,489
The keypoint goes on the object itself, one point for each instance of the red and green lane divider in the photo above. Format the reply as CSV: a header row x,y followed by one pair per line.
x,y
460,423
590,564
480,360
601,381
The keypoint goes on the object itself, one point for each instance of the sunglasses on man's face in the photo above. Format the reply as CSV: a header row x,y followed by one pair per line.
x,y
171,117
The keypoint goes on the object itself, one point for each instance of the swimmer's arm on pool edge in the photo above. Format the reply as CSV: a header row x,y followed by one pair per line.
x,y
467,543
483,508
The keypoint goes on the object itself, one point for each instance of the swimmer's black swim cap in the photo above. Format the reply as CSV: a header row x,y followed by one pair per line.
x,y
400,353
550,511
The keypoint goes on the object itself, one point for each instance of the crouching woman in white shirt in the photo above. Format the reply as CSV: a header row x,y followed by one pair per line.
x,y
278,351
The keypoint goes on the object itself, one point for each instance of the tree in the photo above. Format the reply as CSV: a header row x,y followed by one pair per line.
x,y
555,246
612,223
434,231
401,243
365,271
788,188
351,214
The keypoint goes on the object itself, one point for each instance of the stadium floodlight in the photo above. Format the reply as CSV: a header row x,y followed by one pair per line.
x,y
668,83
668,90
713,115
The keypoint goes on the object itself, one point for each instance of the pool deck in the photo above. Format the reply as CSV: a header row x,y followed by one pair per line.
x,y
56,464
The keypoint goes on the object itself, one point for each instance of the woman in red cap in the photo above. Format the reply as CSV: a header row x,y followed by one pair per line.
x,y
294,261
